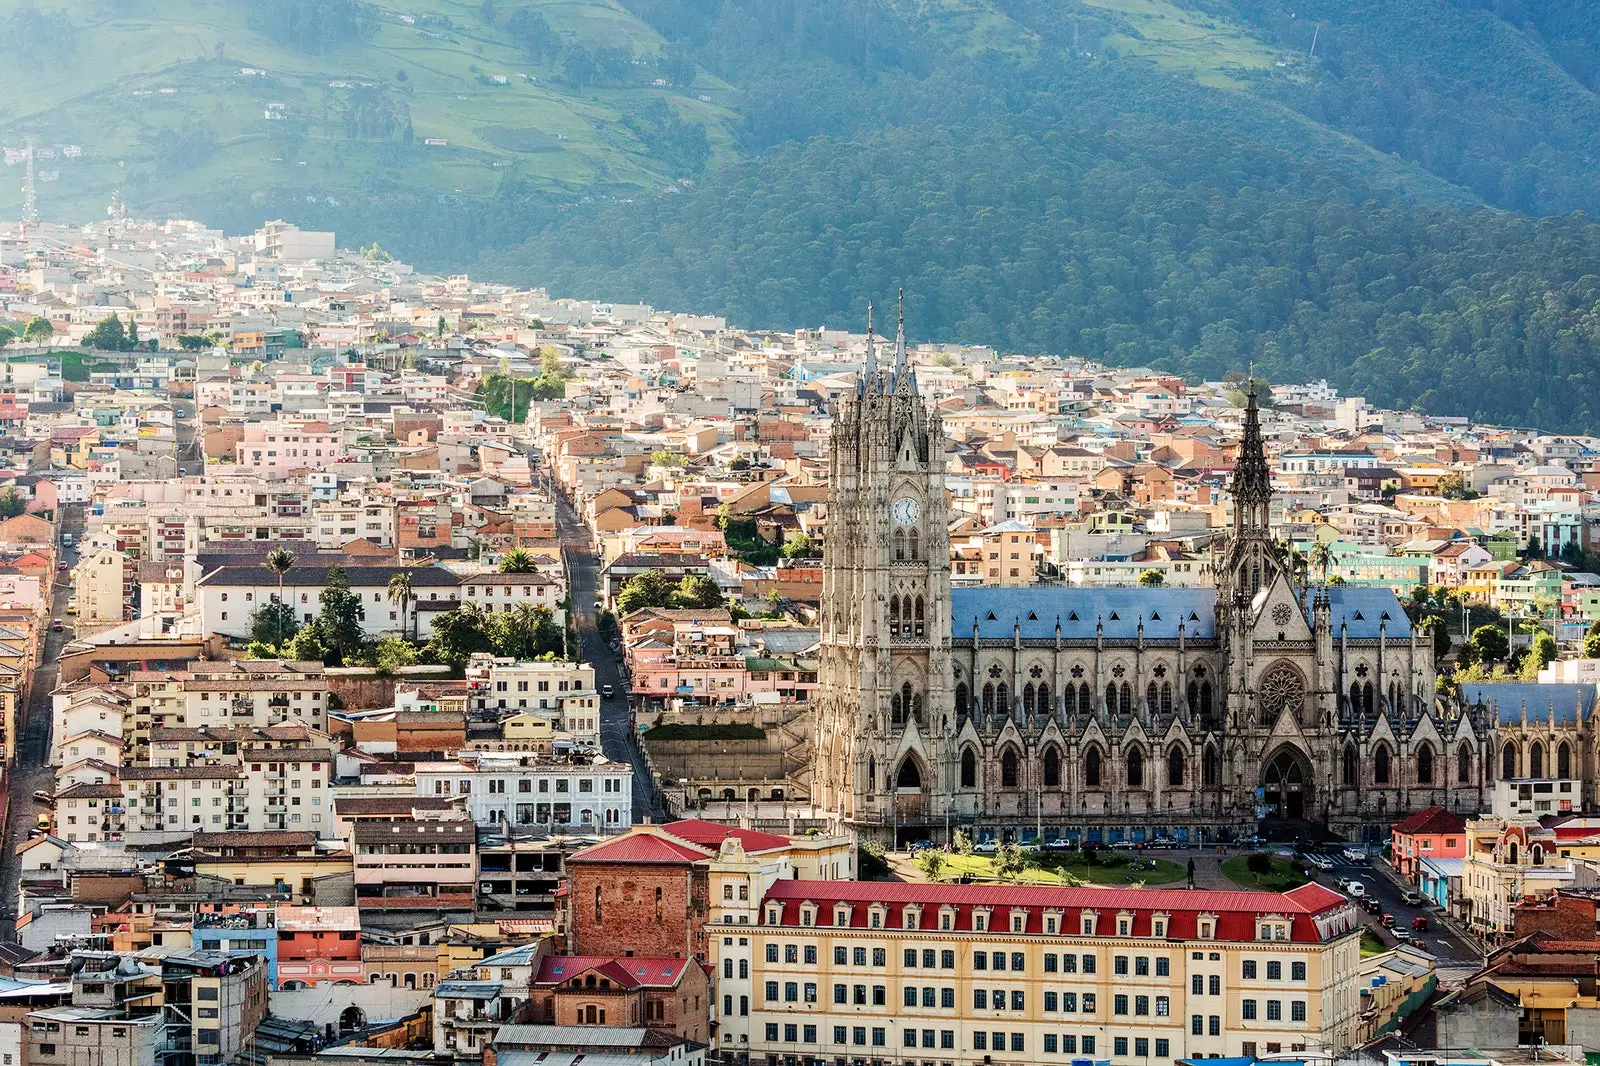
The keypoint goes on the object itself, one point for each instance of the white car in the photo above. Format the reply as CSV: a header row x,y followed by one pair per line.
x,y
1354,889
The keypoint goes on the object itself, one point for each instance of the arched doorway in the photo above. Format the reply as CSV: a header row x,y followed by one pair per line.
x,y
1286,785
351,1019
909,779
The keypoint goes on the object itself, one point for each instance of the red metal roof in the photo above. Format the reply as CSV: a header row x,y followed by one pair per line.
x,y
642,847
631,972
1235,911
1432,820
711,835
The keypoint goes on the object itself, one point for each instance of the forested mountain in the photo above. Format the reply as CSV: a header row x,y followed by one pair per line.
x,y
1391,195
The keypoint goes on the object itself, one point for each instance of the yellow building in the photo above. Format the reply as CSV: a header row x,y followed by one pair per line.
x,y
1506,862
970,974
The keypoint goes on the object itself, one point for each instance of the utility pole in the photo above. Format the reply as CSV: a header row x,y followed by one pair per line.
x,y
1312,54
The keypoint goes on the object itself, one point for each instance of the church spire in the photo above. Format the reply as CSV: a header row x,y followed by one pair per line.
x,y
903,379
1252,481
870,371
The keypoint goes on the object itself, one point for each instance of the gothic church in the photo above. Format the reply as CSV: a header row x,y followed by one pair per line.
x,y
1095,714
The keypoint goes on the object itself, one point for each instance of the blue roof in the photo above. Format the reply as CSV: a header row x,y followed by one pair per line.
x,y
1079,609
1572,702
1363,610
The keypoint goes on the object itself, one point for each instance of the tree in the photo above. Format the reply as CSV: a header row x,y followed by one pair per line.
x,y
38,329
1321,558
697,592
1089,856
1259,863
400,592
191,342
7,335
1152,578
962,842
1437,630
649,589
1487,644
516,561
393,654
799,546
272,624
12,502
308,645
107,335
930,861
1008,861
1541,653
280,561
1591,646
339,618
457,635
663,457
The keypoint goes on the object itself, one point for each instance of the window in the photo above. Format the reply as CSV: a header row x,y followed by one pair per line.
x,y
840,995
858,995
1141,1047
1274,971
1297,1010
980,1042
1049,1043
1163,1049
947,1039
998,961
772,992
811,949
1163,967
1088,964
839,1034
880,956
1069,1043
980,960
1197,1025
1088,1045
1069,964
1274,1011
879,1036
910,996
1018,999
1088,1003
1069,1001
1119,964
1141,966
880,996
1017,1042
1214,985
809,1034
910,958
1247,1009
1119,1046
1248,968
1197,985
859,957
1297,971
858,1035
791,992
947,998
1119,1004
772,1032
791,953
1214,1025
1050,1002
1163,1006
841,956
908,1038
1018,962
947,960
980,999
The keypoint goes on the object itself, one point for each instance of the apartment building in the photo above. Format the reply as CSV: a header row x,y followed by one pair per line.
x,y
275,450
562,692
253,790
230,595
977,974
221,694
517,789
505,592
416,864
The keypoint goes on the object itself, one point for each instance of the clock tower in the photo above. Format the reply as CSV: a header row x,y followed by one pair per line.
x,y
884,742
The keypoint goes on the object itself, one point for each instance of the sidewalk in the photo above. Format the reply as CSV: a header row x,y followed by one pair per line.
x,y
1434,912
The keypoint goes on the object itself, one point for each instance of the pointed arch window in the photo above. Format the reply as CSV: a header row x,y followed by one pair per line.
x,y
919,617
1425,764
1536,760
1464,763
1208,766
962,709
1192,696
969,769
1508,761
1091,768
1008,769
1044,698
1028,693
1002,696
1052,768
1380,765
1166,697
988,698
1135,759
1349,768
914,544
1125,703
1563,760
1152,698
1175,767
899,545
1111,697
909,777
1085,698
1205,698
916,708
894,616
1366,697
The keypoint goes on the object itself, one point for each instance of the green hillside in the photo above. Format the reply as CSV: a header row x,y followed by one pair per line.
x,y
180,103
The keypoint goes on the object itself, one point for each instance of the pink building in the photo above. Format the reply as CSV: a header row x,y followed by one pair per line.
x,y
700,666
1434,833
278,449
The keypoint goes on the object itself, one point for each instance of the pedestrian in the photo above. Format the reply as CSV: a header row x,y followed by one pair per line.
x,y
1191,873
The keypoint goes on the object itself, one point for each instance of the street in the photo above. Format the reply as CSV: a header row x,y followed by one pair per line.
x,y
31,771
617,739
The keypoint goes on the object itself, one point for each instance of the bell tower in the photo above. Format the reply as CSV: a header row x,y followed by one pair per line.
x,y
884,729
1252,559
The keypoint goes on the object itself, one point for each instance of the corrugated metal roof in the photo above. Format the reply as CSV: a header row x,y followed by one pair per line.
x,y
1079,610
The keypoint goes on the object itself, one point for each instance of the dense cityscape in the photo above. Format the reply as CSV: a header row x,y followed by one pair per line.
x,y
412,668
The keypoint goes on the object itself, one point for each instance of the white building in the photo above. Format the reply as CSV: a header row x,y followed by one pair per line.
x,y
524,790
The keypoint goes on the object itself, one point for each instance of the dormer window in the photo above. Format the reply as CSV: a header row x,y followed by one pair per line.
x,y
1207,927
1124,924
947,918
1087,922
808,914
841,916
911,917
1273,928
773,915
1158,925
1019,920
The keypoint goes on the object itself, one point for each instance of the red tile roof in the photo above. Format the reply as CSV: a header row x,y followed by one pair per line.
x,y
631,972
642,847
1236,911
1432,820
711,835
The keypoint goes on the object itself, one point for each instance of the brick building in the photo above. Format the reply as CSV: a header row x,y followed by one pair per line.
x,y
661,993
1563,915
642,894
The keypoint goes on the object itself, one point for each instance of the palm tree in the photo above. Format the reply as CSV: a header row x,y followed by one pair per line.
x,y
400,592
280,561
1321,557
516,561
525,618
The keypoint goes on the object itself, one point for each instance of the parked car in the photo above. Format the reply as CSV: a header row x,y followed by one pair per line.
x,y
1370,905
986,847
1402,935
1358,855
1420,923
1354,889
1387,921
44,797
1060,845
606,691
55,625
1415,899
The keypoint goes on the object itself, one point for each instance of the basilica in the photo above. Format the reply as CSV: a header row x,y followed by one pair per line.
x,y
1093,714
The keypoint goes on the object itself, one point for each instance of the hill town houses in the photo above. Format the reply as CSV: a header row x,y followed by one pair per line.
x,y
400,666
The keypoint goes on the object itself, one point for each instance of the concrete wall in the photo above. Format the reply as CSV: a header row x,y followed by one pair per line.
x,y
324,1003
1486,1023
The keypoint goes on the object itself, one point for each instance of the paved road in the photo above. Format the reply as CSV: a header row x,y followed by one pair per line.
x,y
617,738
32,772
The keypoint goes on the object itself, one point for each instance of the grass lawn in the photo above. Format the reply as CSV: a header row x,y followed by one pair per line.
x,y
1043,869
1370,944
1282,878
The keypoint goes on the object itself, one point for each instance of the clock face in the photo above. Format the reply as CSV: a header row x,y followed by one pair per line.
x,y
905,511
